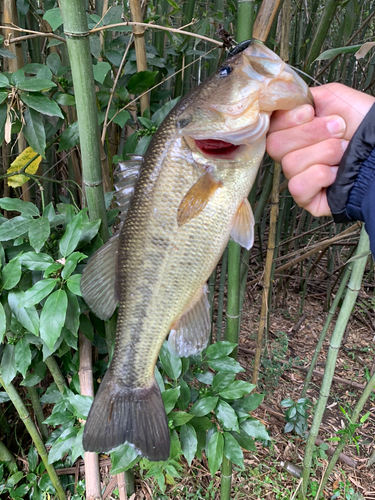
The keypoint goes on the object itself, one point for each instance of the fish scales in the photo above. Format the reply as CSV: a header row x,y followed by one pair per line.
x,y
190,196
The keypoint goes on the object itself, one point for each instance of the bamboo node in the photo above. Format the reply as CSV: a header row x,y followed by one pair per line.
x,y
93,184
78,34
232,317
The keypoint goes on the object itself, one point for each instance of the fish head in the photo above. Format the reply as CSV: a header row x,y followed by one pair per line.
x,y
233,106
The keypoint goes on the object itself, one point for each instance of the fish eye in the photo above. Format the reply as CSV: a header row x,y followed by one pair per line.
x,y
225,70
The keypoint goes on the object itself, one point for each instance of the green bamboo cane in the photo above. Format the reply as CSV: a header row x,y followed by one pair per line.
x,y
223,275
76,31
342,321
33,393
330,7
355,415
245,19
327,323
56,373
7,457
33,431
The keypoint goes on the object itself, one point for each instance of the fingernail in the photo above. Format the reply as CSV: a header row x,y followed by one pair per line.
x,y
302,114
336,127
344,145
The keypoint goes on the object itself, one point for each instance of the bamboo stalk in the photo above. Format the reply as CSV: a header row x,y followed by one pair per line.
x,y
34,434
7,457
140,46
223,275
86,382
264,19
76,31
267,269
342,320
56,373
355,415
245,19
38,412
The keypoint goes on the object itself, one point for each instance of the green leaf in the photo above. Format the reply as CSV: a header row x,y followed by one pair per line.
x,y
146,122
8,366
205,377
244,440
34,131
3,96
23,356
225,364
52,317
72,313
255,429
13,228
162,112
14,479
27,316
32,458
3,323
172,364
18,77
38,292
237,389
328,54
173,4
189,442
4,82
184,399
204,406
36,85
42,104
121,118
4,397
65,100
89,231
63,444
227,416
73,284
232,450
249,403
71,264
53,17
220,349
141,81
71,237
81,405
170,398
69,138
123,458
39,232
179,418
222,380
215,451
53,61
11,274
7,54
77,447
36,262
44,73
101,70
86,327
24,207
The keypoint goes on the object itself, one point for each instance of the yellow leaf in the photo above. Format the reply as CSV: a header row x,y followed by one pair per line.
x,y
21,160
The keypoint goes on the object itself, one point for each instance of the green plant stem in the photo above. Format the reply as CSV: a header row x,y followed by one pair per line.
x,y
33,393
223,275
245,20
33,431
7,457
76,31
327,323
233,304
56,373
342,321
355,415
226,478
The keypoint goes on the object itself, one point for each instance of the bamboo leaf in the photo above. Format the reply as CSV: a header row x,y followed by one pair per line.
x,y
22,354
8,366
39,232
232,450
364,50
52,317
328,54
38,292
189,442
42,103
215,450
27,316
11,274
34,131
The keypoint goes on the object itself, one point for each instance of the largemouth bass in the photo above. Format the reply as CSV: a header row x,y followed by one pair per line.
x,y
191,196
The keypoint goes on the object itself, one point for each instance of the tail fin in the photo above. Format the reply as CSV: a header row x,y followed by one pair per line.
x,y
120,414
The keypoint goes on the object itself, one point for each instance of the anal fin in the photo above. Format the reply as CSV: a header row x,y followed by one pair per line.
x,y
242,230
190,334
122,414
197,198
98,283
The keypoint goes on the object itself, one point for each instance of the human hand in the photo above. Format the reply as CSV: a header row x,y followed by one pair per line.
x,y
310,145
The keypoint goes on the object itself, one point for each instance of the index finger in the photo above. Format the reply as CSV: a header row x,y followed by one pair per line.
x,y
281,120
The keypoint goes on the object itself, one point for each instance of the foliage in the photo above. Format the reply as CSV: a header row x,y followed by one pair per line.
x,y
296,415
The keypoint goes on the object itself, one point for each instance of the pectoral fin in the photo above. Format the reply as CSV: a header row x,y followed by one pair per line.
x,y
126,176
98,283
190,334
243,225
197,198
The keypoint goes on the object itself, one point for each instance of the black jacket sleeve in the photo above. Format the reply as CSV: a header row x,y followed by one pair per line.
x,y
352,195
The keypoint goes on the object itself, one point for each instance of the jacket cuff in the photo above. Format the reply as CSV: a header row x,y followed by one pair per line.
x,y
356,170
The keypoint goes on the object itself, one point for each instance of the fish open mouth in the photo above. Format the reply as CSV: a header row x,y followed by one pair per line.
x,y
215,148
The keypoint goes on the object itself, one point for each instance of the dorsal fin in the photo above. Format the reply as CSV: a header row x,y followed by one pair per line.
x,y
126,176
